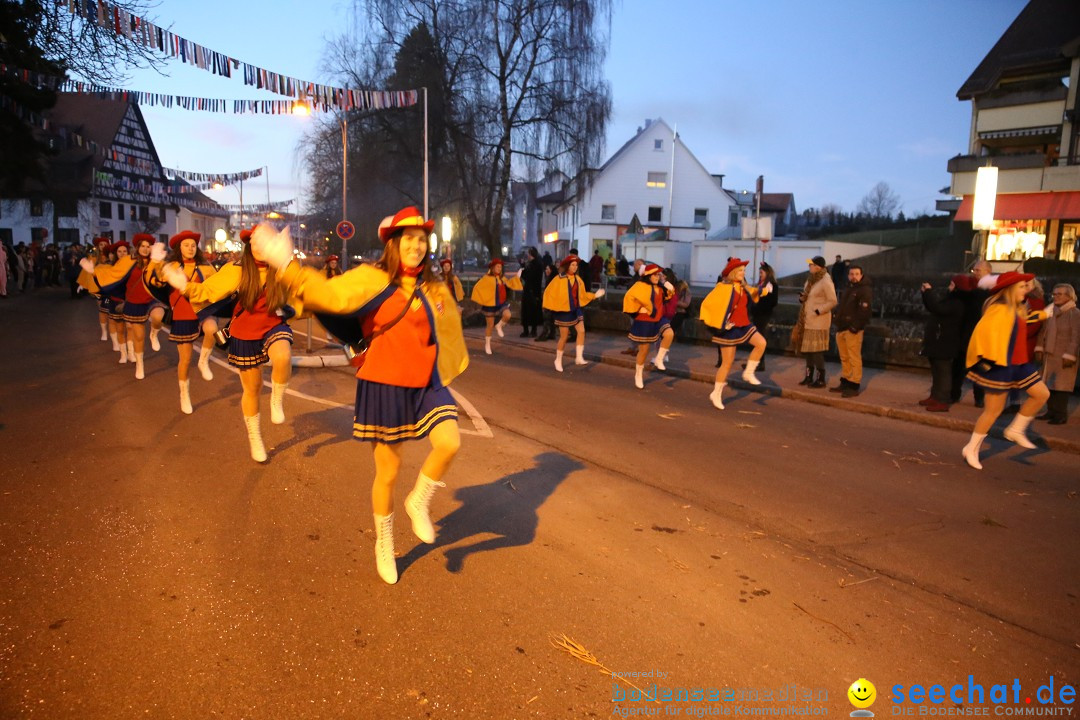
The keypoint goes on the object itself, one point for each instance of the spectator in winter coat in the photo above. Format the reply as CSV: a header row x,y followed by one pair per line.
x,y
1057,348
810,335
943,338
852,314
839,273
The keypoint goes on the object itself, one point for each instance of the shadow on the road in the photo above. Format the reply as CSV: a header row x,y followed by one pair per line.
x,y
334,423
507,507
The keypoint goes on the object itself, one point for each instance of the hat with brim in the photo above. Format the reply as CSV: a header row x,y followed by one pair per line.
x,y
733,264
408,217
117,245
1006,279
332,258
565,263
447,261
495,262
142,237
817,260
245,235
175,240
650,269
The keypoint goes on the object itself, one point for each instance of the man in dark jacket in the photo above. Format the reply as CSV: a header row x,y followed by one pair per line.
x,y
851,316
943,339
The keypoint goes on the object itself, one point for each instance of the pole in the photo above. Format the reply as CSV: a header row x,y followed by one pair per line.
x,y
757,215
241,203
425,155
671,182
344,184
266,172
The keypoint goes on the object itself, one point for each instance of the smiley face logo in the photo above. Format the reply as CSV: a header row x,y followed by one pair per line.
x,y
862,693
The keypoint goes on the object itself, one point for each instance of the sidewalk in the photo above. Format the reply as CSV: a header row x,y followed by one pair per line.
x,y
887,393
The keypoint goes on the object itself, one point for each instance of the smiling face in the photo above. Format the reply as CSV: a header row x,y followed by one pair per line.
x,y
497,269
737,275
188,248
413,246
144,248
862,693
121,252
572,268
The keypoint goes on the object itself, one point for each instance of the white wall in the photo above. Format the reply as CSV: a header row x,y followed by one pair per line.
x,y
787,257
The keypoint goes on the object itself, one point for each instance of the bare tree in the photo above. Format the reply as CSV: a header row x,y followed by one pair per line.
x,y
520,88
880,203
91,49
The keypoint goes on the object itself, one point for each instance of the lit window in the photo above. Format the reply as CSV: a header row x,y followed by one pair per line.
x,y
655,213
657,180
36,207
607,212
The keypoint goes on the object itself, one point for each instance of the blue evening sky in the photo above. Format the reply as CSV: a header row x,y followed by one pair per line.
x,y
823,98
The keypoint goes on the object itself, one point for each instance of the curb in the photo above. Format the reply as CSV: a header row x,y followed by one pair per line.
x,y
946,423
318,361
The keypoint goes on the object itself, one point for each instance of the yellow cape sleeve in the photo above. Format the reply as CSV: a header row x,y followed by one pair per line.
x,y
216,287
109,274
483,292
453,357
638,299
513,282
311,291
716,305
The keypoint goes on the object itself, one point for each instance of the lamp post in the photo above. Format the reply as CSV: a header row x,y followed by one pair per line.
x,y
344,183
447,230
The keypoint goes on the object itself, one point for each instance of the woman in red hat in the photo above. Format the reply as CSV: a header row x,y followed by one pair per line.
x,y
566,296
453,282
726,310
258,333
644,302
491,293
127,273
187,259
412,328
332,269
997,360
114,299
97,256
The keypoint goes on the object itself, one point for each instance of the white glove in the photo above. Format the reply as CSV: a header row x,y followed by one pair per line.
x,y
767,289
87,265
158,252
175,277
276,248
520,270
601,293
986,282
669,286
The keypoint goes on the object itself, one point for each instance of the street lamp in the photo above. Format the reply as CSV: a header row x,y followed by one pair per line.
x,y
982,211
447,230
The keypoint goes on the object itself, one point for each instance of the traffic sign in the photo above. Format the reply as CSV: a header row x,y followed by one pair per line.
x,y
345,230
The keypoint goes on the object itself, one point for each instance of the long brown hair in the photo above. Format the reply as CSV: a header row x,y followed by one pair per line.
x,y
251,287
391,262
175,256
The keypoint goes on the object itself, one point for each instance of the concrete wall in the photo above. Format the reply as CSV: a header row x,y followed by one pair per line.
x,y
787,257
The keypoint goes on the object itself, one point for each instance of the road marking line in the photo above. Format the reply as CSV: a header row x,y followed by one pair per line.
x,y
482,429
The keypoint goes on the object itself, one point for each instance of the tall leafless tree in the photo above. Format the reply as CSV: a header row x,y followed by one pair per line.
x,y
519,88
880,203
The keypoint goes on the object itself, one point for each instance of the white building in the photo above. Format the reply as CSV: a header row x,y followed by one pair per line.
x,y
655,177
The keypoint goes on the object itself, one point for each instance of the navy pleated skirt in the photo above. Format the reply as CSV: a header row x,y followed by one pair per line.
x,y
392,414
252,353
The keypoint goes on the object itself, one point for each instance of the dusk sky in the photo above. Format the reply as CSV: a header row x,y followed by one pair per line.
x,y
824,99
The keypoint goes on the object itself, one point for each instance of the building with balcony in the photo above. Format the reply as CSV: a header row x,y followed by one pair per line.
x,y
1025,122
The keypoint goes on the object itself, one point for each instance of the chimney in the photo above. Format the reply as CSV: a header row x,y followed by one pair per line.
x,y
720,178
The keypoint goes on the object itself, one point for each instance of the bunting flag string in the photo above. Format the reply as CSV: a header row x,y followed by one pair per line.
x,y
211,178
260,208
147,34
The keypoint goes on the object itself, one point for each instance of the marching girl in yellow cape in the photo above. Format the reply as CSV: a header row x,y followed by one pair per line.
x,y
997,359
258,333
110,293
97,255
185,257
453,282
645,302
128,274
491,293
332,269
565,296
412,328
726,310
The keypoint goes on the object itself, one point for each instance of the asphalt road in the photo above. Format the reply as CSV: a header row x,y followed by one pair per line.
x,y
148,568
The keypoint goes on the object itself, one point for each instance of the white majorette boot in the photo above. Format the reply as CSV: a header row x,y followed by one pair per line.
x,y
131,350
123,353
639,380
558,360
277,402
748,373
1017,431
105,333
385,562
498,328
659,361
204,363
416,506
971,450
139,373
487,345
580,359
185,397
154,344
258,452
717,395
115,342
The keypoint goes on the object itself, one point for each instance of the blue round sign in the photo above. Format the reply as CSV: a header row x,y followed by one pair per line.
x,y
345,230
